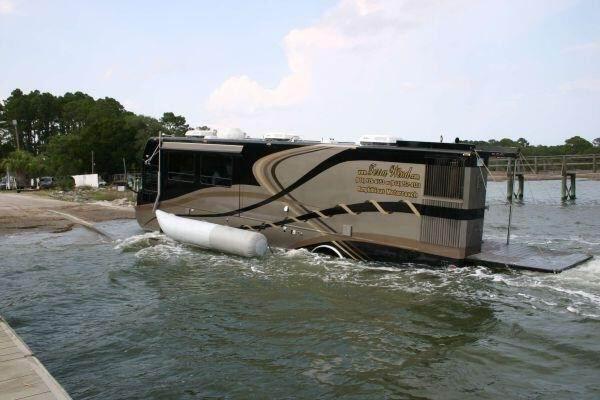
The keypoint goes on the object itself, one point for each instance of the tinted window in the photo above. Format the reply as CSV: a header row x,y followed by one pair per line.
x,y
216,170
180,166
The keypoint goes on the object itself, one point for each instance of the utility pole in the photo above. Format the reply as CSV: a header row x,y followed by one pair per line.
x,y
14,122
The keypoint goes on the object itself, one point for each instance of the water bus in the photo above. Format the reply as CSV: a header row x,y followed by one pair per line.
x,y
379,199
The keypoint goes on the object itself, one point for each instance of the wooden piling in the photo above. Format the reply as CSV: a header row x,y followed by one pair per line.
x,y
572,189
563,181
521,186
510,181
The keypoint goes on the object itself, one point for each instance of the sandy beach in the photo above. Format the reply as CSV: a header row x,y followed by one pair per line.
x,y
25,211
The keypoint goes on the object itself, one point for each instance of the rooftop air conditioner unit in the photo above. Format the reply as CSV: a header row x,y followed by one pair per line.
x,y
378,140
287,137
231,133
200,132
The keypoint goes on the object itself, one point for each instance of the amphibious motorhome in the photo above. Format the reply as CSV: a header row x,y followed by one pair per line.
x,y
379,199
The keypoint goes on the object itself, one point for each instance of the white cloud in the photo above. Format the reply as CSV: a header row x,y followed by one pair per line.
x,y
351,26
413,68
588,47
132,105
581,85
6,7
108,73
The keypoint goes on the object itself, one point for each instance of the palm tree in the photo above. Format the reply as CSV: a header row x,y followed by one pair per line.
x,y
21,163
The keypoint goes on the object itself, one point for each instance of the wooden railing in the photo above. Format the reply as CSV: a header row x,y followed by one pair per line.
x,y
550,164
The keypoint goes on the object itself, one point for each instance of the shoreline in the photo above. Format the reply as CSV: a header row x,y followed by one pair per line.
x,y
26,211
36,210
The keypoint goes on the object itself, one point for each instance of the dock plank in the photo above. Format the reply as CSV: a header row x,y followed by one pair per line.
x,y
6,345
522,256
22,375
9,350
15,369
42,396
12,356
22,387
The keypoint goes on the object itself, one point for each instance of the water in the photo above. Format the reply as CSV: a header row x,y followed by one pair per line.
x,y
145,317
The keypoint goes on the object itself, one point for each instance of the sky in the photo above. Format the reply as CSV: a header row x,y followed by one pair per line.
x,y
415,69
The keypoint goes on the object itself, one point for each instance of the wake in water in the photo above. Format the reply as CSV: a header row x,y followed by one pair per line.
x,y
574,291
137,242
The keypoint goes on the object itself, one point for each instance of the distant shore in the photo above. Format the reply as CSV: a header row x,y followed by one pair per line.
x,y
26,211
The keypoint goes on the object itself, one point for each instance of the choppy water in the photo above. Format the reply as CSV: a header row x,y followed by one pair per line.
x,y
145,317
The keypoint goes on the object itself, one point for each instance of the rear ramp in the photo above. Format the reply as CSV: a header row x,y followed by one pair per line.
x,y
496,253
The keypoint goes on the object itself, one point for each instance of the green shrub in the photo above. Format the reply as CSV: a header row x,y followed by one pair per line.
x,y
65,182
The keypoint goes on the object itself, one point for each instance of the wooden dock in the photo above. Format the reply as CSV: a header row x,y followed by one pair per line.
x,y
520,256
548,165
22,375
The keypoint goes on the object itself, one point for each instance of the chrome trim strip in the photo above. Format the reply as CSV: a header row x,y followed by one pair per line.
x,y
220,148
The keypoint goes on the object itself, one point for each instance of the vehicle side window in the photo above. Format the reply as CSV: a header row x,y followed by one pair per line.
x,y
180,166
216,170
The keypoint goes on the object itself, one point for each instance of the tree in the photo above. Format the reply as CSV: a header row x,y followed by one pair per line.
x,y
6,138
145,128
37,115
64,130
577,144
522,142
174,124
19,161
66,155
22,164
506,142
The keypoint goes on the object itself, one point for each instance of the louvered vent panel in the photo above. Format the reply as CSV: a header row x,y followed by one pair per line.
x,y
441,231
445,178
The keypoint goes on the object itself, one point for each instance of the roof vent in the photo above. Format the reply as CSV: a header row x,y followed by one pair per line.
x,y
201,132
280,136
378,140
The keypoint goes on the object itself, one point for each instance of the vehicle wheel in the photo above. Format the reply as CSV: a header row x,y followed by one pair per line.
x,y
327,250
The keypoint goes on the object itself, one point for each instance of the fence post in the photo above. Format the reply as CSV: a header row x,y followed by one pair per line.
x,y
535,164
594,163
